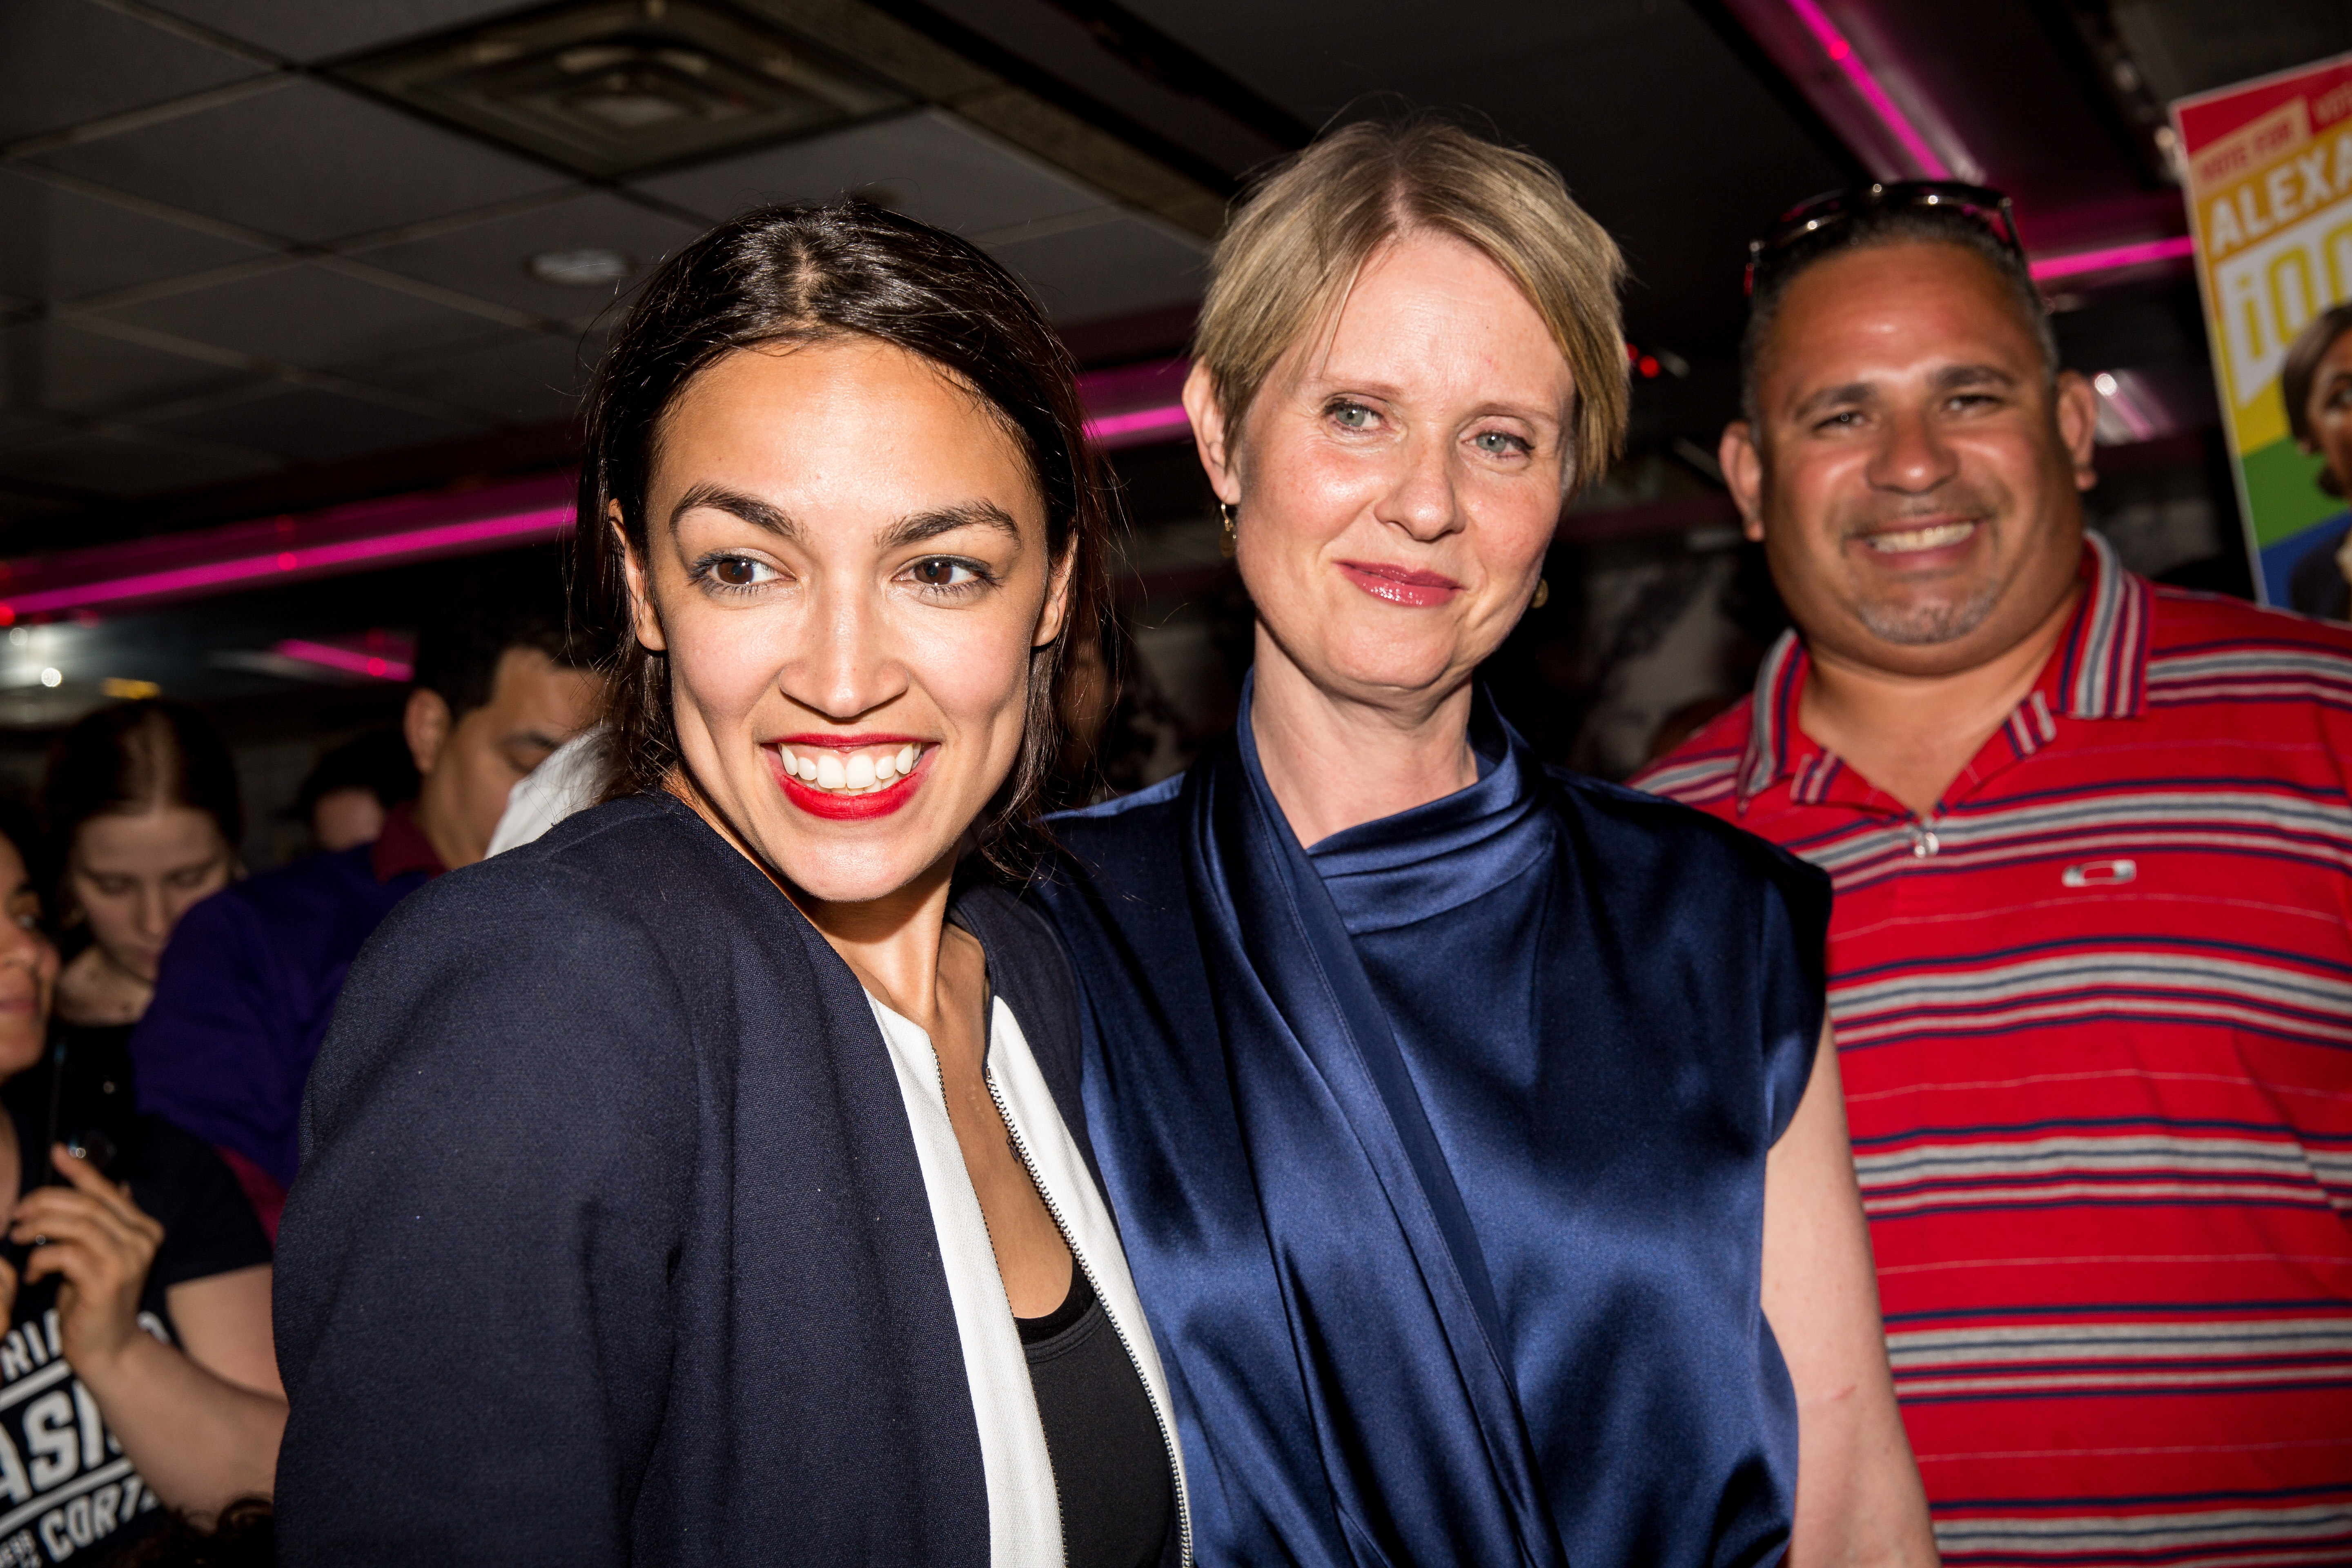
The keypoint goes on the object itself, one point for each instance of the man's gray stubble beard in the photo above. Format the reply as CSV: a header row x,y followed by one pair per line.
x,y
1924,625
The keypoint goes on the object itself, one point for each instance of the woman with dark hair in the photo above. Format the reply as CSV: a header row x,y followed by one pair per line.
x,y
136,1374
142,803
705,1178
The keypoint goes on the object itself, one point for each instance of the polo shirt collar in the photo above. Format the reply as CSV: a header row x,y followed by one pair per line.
x,y
2098,672
2103,660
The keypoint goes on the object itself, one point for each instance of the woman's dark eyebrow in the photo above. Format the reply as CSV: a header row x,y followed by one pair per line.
x,y
750,509
922,525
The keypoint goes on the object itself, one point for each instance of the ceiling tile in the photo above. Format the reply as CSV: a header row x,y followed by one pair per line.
x,y
1107,269
54,365
322,29
123,464
60,245
312,426
311,317
308,160
16,427
929,165
21,510
143,65
490,259
2186,47
536,381
1663,131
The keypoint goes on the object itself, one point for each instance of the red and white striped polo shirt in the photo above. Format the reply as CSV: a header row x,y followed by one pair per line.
x,y
2094,1015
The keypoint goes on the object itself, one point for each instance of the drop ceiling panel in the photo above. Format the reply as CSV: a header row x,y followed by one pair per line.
x,y
322,29
535,380
1661,131
54,364
1094,54
143,65
124,466
58,245
1110,269
491,259
307,425
311,317
1292,55
2190,46
307,160
929,165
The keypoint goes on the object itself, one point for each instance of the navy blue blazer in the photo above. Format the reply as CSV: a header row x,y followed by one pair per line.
x,y
610,1244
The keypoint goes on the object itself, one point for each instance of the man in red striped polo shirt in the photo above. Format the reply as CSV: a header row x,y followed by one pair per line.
x,y
2091,960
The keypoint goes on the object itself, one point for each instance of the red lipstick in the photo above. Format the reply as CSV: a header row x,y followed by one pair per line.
x,y
1400,584
834,805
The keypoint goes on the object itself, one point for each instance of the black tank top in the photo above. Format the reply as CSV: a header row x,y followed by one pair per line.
x,y
1110,1462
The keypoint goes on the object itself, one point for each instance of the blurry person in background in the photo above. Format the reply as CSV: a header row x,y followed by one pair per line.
x,y
1124,733
354,787
2088,959
136,1374
142,802
2317,383
251,978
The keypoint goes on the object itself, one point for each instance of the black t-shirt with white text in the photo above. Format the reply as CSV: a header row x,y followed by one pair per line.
x,y
67,1489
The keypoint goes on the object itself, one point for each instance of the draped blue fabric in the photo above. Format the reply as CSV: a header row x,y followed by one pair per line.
x,y
1438,1150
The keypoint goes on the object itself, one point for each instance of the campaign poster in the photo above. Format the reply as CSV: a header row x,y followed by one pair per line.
x,y
2268,175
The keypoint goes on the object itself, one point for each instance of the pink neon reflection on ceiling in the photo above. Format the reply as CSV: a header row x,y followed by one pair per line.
x,y
1842,55
348,660
2109,259
342,539
1128,429
211,576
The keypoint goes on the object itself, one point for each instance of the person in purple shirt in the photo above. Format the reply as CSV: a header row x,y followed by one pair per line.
x,y
249,981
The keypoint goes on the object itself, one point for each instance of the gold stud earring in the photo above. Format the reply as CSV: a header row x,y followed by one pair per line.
x,y
1543,593
1228,543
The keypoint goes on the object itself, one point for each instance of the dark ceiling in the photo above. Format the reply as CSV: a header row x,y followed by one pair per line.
x,y
265,255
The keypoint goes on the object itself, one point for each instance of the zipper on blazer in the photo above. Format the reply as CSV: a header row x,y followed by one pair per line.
x,y
1077,1258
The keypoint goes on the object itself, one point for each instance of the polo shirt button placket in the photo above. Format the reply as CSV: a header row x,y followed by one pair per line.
x,y
1924,842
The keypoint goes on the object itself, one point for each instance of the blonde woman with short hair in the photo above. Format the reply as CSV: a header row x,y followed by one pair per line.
x,y
1473,1130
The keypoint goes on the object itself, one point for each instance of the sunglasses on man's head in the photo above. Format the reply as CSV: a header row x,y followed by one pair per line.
x,y
1988,208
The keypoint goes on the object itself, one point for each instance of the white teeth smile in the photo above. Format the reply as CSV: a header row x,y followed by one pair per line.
x,y
1935,536
860,770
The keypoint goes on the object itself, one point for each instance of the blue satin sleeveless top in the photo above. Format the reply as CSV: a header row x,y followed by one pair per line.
x,y
1438,1150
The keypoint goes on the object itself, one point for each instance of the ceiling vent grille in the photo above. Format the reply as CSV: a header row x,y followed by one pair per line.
x,y
613,87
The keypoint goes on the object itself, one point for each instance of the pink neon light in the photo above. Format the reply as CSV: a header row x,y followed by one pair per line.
x,y
518,528
353,663
1843,56
1112,425
2115,256
525,512
1134,385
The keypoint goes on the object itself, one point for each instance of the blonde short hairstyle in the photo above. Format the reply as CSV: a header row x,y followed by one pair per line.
x,y
1295,248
